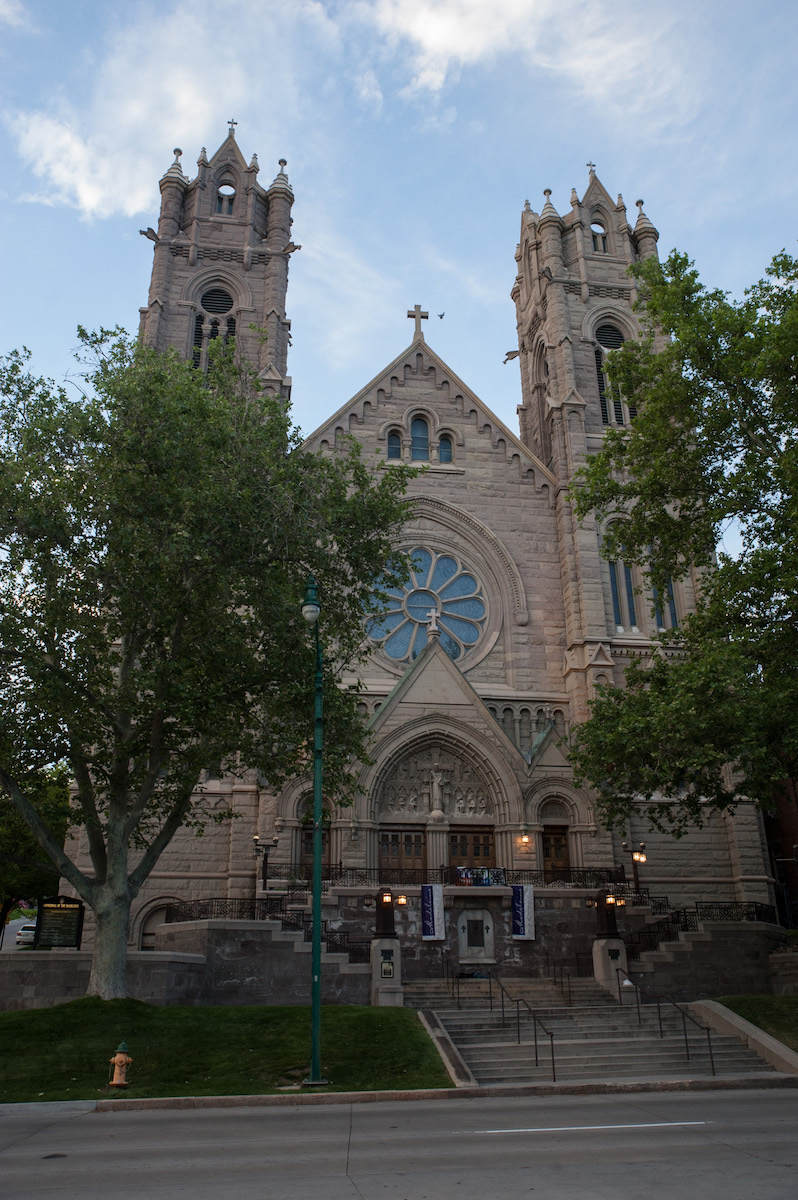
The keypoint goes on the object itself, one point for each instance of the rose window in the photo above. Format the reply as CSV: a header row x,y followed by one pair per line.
x,y
439,584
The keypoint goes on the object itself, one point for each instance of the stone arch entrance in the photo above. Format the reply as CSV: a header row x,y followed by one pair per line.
x,y
432,805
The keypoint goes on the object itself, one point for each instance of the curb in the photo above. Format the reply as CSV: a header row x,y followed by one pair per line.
x,y
586,1088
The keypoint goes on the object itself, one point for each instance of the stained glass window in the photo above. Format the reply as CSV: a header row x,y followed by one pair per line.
x,y
439,583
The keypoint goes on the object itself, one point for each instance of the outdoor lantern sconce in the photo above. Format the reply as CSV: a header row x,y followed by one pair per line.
x,y
387,897
262,852
401,899
524,835
638,856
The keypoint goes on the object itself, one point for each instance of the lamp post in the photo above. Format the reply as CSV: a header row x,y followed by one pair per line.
x,y
263,853
310,611
638,856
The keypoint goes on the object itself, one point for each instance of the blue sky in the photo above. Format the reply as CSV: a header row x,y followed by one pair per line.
x,y
414,131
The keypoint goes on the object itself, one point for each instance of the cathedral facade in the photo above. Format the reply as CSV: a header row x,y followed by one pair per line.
x,y
510,618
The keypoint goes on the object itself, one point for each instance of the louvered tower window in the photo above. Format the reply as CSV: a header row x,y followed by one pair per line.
x,y
609,337
215,302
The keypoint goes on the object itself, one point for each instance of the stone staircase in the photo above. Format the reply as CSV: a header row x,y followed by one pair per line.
x,y
594,1037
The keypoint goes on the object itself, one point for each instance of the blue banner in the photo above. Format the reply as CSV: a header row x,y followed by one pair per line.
x,y
524,911
432,926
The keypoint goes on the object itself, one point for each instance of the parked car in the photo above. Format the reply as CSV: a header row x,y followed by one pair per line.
x,y
25,935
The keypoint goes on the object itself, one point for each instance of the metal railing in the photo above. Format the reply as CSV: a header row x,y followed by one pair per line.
x,y
659,1000
559,975
374,877
687,920
536,1021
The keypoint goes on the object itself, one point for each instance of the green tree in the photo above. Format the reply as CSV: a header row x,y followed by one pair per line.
x,y
713,714
156,535
25,871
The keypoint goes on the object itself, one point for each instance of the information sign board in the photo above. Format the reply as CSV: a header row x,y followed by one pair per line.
x,y
59,924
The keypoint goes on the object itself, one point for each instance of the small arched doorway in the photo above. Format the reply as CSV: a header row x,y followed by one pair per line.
x,y
556,855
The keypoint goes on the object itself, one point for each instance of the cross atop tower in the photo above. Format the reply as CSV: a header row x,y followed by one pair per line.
x,y
232,125
419,317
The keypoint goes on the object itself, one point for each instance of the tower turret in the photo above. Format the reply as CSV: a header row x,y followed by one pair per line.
x,y
221,262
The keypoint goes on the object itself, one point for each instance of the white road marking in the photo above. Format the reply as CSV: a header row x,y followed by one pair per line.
x,y
581,1128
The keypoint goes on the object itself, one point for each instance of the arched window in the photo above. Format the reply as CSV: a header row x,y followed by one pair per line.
x,y
394,445
667,611
224,200
419,440
622,589
214,302
599,235
445,454
609,337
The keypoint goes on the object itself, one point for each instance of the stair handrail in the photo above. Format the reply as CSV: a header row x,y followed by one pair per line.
x,y
536,1021
552,966
685,1015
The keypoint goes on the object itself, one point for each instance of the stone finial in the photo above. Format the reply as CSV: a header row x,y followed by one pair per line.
x,y
620,203
642,224
527,206
574,197
548,208
281,178
202,161
254,166
176,171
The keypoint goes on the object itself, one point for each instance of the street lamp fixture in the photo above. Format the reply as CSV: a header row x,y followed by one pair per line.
x,y
311,610
638,856
262,852
401,899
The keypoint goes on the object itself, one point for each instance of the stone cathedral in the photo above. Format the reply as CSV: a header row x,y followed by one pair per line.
x,y
510,617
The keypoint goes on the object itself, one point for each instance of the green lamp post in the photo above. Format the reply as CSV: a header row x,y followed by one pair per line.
x,y
310,611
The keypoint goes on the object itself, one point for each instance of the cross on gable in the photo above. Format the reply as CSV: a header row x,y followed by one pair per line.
x,y
232,125
419,316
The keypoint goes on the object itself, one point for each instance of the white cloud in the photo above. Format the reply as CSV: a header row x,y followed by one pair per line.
x,y
622,54
12,12
344,300
369,91
166,79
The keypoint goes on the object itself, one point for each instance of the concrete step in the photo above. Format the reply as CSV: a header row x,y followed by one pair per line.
x,y
593,1042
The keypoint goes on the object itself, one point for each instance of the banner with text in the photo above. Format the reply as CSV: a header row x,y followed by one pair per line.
x,y
524,911
432,926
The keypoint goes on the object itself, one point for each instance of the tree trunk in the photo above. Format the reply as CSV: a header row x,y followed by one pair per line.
x,y
108,978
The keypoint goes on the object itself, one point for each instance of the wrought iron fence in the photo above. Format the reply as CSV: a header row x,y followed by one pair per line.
x,y
736,910
686,920
375,877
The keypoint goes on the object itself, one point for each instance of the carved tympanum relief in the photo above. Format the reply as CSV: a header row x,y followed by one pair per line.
x,y
435,784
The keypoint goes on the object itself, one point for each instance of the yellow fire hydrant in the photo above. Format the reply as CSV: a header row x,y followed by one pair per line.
x,y
120,1061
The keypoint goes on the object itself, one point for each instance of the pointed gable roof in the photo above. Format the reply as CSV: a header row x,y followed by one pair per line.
x,y
484,414
229,152
433,687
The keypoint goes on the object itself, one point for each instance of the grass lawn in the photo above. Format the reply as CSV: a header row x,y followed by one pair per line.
x,y
62,1053
776,1015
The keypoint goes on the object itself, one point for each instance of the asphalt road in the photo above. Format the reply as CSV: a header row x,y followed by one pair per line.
x,y
700,1145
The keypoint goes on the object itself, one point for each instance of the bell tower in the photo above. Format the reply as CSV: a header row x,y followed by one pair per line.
x,y
574,303
220,264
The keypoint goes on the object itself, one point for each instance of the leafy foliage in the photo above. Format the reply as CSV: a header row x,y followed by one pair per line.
x,y
714,443
156,536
